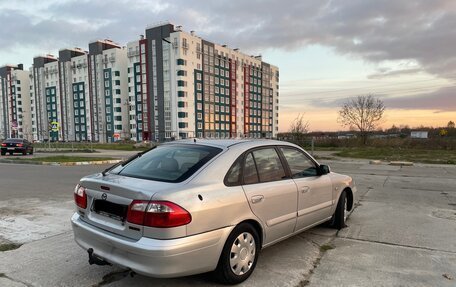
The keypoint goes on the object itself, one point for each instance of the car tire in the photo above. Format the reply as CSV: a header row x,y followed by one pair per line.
x,y
31,151
3,153
340,215
24,152
239,255
10,153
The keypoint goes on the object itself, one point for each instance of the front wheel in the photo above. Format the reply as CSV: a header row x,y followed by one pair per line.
x,y
340,215
239,255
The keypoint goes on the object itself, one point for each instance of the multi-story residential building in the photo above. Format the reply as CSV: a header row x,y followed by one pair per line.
x,y
74,87
108,91
15,110
46,103
140,118
167,85
201,89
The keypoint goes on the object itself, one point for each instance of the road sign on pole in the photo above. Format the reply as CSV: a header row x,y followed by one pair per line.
x,y
55,126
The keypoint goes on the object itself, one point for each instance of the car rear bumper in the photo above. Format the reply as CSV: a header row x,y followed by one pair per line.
x,y
153,257
13,149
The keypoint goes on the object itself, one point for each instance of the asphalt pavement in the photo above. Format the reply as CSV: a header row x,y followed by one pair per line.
x,y
400,234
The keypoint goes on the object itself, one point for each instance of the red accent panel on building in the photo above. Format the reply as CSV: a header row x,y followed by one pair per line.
x,y
62,130
233,104
89,61
13,133
146,135
246,100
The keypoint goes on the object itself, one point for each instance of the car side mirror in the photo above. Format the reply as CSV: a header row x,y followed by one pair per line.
x,y
324,169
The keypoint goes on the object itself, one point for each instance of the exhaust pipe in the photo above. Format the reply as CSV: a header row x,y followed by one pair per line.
x,y
93,259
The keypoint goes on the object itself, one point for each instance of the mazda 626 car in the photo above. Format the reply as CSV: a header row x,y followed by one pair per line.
x,y
195,206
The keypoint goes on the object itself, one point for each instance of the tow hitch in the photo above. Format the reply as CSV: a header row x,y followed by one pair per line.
x,y
93,259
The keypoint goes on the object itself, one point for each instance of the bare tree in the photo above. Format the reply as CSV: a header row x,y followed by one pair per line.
x,y
299,127
362,112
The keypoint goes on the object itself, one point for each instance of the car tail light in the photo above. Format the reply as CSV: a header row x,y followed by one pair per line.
x,y
161,214
80,196
3,144
19,145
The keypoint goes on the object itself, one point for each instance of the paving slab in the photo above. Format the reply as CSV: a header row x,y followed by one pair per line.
x,y
58,261
357,263
401,234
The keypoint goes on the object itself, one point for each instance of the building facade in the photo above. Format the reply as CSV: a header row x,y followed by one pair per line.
x,y
45,98
108,91
139,112
74,87
166,85
15,109
201,89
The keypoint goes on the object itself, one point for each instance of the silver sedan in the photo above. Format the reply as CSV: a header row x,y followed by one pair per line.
x,y
195,206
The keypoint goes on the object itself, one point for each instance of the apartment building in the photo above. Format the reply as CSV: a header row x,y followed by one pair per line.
x,y
202,89
108,91
169,84
74,86
15,109
46,104
140,113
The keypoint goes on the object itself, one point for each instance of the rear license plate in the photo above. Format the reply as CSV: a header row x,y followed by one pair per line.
x,y
11,148
110,209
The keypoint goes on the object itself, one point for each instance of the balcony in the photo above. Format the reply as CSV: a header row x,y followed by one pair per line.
x,y
132,53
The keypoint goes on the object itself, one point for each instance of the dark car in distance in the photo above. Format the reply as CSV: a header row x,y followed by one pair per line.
x,y
14,145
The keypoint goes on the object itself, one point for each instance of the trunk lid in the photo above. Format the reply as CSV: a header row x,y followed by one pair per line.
x,y
108,198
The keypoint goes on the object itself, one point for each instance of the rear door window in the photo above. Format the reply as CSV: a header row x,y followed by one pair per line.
x,y
170,163
268,165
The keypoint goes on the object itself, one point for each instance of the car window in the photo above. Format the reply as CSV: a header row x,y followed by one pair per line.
x,y
300,165
233,175
170,163
250,171
13,141
268,165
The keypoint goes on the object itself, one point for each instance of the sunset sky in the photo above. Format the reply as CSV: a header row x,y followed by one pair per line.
x,y
400,51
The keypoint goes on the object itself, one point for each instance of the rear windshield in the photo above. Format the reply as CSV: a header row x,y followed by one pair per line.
x,y
13,141
170,163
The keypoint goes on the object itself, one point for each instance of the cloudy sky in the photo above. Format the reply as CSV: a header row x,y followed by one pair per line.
x,y
401,51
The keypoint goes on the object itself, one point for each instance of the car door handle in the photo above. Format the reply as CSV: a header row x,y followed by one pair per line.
x,y
257,198
304,189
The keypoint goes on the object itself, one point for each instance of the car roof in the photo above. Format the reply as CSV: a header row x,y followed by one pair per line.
x,y
14,140
226,143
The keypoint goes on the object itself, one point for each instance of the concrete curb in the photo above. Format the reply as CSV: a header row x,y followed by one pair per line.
x,y
97,162
401,163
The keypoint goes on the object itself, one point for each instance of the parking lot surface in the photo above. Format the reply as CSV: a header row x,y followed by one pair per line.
x,y
400,234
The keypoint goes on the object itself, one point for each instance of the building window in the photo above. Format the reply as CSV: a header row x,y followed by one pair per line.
x,y
181,62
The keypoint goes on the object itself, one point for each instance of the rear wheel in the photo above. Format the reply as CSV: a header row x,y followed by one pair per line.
x,y
31,151
3,153
24,152
340,215
11,153
239,255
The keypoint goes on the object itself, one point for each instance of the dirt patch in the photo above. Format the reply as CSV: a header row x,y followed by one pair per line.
x,y
9,246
